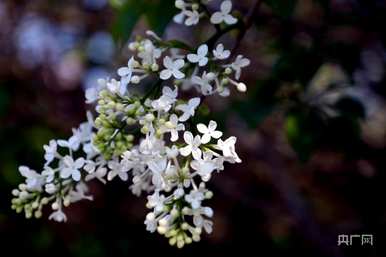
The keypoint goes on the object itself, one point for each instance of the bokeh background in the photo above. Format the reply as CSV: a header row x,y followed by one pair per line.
x,y
311,129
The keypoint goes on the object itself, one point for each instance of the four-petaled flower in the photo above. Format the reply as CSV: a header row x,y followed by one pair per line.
x,y
188,109
224,14
205,82
205,166
126,73
173,127
172,68
34,180
116,169
192,147
221,54
200,57
156,201
195,198
238,64
70,167
228,149
50,151
209,131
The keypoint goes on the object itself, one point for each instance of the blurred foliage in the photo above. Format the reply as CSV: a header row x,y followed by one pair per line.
x,y
157,13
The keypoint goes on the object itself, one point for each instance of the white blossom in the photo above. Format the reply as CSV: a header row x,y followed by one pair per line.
x,y
192,147
224,14
195,198
188,109
228,149
220,53
50,151
156,201
71,168
209,132
58,216
205,82
34,180
126,73
205,166
116,169
172,68
174,127
238,64
200,57
165,102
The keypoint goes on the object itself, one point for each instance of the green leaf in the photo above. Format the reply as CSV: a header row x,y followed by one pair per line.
x,y
159,14
127,16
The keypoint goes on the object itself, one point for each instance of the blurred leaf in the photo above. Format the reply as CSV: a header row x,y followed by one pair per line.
x,y
303,131
126,18
159,14
282,8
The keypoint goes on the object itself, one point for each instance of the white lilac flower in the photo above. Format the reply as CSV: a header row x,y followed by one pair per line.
x,y
50,188
71,168
200,57
224,14
205,82
199,221
221,54
49,173
172,68
195,197
228,149
174,127
192,147
193,17
116,87
209,132
92,93
58,216
158,167
34,180
151,222
50,151
99,174
79,193
150,53
72,143
238,64
126,73
188,109
156,201
205,166
165,102
116,169
172,152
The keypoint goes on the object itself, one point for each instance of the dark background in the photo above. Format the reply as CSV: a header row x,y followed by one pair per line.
x,y
311,129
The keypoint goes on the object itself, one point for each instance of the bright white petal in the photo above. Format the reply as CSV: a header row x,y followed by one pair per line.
x,y
216,18
226,7
165,74
202,128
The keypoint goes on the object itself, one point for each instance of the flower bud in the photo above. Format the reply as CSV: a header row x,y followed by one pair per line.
x,y
241,87
135,79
